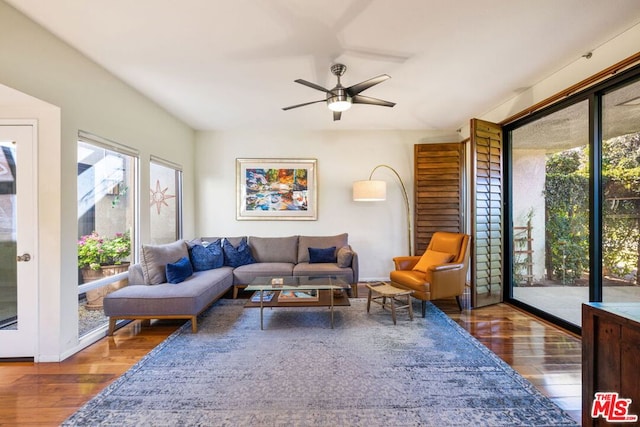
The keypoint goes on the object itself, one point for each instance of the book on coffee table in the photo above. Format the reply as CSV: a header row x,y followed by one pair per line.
x,y
266,296
298,296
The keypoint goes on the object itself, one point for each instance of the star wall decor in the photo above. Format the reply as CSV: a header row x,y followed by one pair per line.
x,y
159,196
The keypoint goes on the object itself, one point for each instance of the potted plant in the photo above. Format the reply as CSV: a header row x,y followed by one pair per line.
x,y
100,257
95,251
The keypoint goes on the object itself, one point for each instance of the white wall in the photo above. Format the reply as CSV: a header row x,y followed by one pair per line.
x,y
603,57
528,196
377,230
86,97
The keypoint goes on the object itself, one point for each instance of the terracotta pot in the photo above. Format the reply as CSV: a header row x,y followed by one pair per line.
x,y
96,296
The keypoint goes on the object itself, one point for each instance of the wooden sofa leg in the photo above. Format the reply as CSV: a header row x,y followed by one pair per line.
x,y
112,326
459,302
424,308
194,324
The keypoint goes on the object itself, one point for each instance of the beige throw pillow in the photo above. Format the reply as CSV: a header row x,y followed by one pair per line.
x,y
156,257
430,258
345,256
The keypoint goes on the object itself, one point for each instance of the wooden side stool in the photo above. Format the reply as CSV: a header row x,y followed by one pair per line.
x,y
382,290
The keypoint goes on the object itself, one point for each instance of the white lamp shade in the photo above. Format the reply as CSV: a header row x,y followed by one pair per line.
x,y
369,191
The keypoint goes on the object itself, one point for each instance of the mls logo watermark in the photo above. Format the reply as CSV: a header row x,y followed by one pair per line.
x,y
612,408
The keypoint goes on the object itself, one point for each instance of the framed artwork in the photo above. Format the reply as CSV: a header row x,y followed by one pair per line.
x,y
276,189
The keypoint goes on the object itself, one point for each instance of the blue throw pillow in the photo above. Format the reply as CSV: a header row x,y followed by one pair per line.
x,y
178,271
240,255
318,255
206,257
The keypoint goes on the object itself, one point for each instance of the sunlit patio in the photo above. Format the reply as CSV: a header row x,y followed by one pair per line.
x,y
566,301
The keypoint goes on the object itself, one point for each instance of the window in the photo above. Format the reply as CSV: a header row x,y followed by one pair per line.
x,y
8,236
575,201
165,217
550,194
621,194
106,218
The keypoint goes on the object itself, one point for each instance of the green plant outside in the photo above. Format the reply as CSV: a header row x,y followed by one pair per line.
x,y
95,251
567,214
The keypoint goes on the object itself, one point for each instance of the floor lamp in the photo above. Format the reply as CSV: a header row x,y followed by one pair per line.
x,y
374,191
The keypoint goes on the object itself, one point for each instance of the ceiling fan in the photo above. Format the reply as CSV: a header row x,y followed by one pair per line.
x,y
340,98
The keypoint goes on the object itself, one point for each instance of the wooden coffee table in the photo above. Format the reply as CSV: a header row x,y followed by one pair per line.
x,y
330,291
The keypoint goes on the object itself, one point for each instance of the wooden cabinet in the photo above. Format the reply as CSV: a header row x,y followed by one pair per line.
x,y
610,356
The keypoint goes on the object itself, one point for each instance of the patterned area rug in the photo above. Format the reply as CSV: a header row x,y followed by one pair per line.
x,y
300,372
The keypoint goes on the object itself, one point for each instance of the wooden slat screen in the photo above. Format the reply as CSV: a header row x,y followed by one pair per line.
x,y
438,186
487,215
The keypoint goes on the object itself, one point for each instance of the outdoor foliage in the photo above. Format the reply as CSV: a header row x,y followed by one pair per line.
x,y
621,210
567,197
95,251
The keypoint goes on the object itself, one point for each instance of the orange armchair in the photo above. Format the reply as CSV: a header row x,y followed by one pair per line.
x,y
441,280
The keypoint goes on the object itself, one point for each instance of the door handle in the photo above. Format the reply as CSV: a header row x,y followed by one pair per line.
x,y
24,258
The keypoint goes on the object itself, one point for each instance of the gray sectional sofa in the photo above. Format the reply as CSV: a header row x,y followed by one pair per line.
x,y
149,295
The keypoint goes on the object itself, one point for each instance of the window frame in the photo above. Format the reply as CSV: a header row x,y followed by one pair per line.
x,y
594,95
179,191
133,154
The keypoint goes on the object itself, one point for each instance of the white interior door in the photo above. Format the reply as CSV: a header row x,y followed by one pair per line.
x,y
18,231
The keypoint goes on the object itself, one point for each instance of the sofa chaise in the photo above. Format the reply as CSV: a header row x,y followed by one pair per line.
x,y
180,280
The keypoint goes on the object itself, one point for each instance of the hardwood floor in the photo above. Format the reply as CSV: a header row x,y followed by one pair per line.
x,y
549,357
45,394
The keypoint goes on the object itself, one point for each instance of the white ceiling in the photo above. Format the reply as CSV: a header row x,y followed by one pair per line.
x,y
231,64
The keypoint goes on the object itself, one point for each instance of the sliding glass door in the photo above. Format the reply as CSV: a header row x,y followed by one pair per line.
x,y
550,212
621,194
574,193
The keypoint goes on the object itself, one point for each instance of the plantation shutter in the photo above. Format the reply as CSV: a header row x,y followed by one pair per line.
x,y
487,213
438,186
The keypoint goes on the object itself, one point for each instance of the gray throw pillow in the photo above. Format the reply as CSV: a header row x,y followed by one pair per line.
x,y
345,256
156,257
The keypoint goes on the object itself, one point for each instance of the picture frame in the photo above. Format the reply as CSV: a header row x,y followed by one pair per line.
x,y
276,189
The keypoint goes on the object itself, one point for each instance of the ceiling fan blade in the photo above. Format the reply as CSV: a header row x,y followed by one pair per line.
x,y
359,87
302,105
313,86
359,99
337,115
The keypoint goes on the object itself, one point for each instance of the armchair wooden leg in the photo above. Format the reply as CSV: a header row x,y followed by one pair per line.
x,y
459,302
424,308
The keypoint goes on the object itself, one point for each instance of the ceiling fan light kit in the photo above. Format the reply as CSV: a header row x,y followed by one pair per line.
x,y
336,103
339,98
